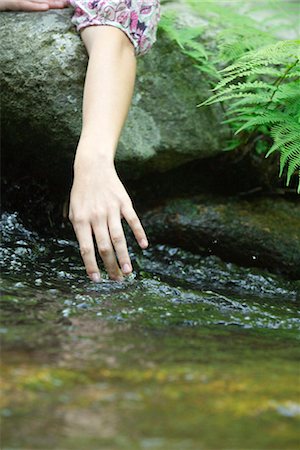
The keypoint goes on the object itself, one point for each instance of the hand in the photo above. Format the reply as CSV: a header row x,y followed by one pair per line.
x,y
98,202
32,5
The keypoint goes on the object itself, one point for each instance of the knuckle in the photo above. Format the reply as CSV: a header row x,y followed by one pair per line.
x,y
136,224
85,250
126,202
104,248
117,239
97,214
112,208
127,207
78,219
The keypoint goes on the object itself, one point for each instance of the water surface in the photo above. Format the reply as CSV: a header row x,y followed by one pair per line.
x,y
188,353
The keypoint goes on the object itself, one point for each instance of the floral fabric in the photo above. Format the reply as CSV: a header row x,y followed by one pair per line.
x,y
137,18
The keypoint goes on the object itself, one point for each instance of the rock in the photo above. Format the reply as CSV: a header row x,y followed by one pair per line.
x,y
43,65
263,232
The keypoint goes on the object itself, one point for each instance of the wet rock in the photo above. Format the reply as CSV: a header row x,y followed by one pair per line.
x,y
43,65
263,232
182,268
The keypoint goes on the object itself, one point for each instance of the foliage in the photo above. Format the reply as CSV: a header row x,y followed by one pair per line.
x,y
187,39
263,95
254,73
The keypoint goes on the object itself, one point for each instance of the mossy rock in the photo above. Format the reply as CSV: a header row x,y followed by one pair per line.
x,y
262,232
43,63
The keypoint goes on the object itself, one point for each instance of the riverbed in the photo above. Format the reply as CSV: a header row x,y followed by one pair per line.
x,y
188,353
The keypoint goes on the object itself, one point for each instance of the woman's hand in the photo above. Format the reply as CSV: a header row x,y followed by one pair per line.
x,y
32,5
98,203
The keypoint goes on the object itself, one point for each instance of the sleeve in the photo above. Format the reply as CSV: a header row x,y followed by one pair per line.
x,y
138,19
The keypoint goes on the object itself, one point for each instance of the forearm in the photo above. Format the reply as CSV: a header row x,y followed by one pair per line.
x,y
98,198
108,91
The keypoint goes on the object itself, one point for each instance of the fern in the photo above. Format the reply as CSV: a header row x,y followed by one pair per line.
x,y
235,41
253,72
272,103
188,40
286,139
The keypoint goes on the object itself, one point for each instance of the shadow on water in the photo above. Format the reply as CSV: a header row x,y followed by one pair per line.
x,y
187,353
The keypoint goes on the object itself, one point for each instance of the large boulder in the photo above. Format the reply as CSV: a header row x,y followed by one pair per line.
x,y
43,64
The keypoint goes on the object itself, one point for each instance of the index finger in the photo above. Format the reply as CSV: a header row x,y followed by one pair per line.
x,y
134,222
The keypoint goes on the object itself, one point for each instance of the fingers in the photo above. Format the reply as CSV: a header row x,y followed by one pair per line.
x,y
104,241
106,250
119,242
133,221
110,239
37,5
84,236
25,5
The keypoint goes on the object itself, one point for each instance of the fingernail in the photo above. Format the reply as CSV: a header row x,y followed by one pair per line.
x,y
143,243
126,268
95,277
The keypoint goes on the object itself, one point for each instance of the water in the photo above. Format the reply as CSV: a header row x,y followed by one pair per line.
x,y
188,353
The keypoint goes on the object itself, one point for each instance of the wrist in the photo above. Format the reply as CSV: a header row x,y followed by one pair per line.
x,y
93,152
92,136
89,163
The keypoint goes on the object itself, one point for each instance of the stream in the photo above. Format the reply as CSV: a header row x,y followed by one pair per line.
x,y
188,353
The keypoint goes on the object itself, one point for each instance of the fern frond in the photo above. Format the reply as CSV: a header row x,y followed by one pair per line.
x,y
235,92
251,98
256,84
283,136
209,69
278,53
287,141
234,42
266,117
289,152
288,91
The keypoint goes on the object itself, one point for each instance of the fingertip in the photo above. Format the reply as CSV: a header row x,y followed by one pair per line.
x,y
143,243
95,277
126,269
119,279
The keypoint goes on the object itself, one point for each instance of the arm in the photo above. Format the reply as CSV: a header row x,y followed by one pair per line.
x,y
98,199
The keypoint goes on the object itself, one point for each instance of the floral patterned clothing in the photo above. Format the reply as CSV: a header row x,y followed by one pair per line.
x,y
138,19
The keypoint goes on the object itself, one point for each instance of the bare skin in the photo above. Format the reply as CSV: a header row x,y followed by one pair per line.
x,y
32,5
98,199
